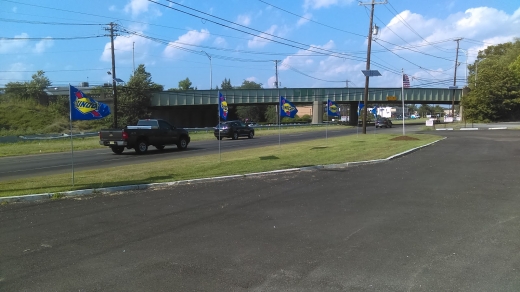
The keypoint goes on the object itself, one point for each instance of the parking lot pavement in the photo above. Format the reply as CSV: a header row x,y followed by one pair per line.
x,y
444,218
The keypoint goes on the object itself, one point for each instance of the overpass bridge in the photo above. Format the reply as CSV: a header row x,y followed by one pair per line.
x,y
198,108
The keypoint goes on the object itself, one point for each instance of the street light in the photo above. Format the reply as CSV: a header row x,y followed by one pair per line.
x,y
210,71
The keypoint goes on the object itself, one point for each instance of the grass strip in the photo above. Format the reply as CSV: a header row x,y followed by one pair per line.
x,y
63,144
314,152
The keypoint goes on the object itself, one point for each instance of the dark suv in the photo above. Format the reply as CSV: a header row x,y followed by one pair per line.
x,y
233,130
383,122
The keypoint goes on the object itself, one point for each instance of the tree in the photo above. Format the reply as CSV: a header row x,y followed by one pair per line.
x,y
32,90
495,95
250,112
226,84
185,84
246,84
134,100
271,115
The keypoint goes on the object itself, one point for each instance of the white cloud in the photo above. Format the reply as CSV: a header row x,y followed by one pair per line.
x,y
304,20
14,74
263,38
193,37
220,41
127,50
137,7
15,9
317,4
42,45
8,46
112,8
244,19
252,78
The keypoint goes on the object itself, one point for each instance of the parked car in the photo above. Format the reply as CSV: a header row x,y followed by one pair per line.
x,y
383,122
233,130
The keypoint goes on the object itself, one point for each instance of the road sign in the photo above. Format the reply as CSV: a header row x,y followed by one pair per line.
x,y
391,98
371,73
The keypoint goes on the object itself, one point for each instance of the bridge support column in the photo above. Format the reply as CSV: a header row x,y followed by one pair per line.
x,y
317,112
353,114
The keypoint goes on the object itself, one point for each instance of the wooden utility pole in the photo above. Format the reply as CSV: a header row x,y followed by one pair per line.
x,y
455,80
113,72
370,29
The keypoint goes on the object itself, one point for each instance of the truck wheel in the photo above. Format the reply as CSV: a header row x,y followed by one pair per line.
x,y
159,147
235,136
118,150
141,147
183,144
251,135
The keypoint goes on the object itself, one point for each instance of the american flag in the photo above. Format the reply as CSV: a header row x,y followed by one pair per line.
x,y
406,81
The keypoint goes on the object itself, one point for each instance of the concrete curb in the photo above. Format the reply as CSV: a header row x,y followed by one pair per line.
x,y
46,196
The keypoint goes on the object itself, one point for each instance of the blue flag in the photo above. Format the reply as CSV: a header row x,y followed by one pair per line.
x,y
374,111
222,106
332,108
287,109
360,107
83,107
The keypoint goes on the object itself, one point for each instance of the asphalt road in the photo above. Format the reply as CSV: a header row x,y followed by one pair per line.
x,y
56,163
444,218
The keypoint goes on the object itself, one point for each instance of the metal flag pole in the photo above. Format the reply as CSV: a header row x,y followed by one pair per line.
x,y
402,96
218,126
279,121
70,125
357,126
327,126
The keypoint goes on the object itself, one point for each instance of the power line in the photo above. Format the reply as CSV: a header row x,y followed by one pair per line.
x,y
45,22
51,38
308,19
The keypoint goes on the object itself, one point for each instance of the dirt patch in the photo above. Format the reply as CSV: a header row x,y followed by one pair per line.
x,y
403,138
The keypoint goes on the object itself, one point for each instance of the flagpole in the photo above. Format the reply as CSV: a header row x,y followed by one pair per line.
x,y
357,126
327,126
402,96
279,120
71,141
218,126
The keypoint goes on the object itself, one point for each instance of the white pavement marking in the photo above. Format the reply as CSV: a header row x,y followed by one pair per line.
x,y
468,129
498,128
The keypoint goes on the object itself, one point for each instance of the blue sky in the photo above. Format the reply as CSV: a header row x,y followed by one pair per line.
x,y
323,49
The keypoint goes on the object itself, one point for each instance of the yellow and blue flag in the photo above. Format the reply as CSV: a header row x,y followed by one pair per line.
x,y
83,107
332,108
287,109
222,106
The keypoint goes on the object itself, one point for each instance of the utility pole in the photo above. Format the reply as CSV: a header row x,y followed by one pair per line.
x,y
455,80
113,72
133,57
370,29
347,81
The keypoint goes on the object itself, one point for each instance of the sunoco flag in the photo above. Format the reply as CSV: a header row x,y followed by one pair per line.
x,y
83,107
222,106
287,109
332,108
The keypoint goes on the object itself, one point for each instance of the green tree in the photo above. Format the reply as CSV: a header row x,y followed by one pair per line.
x,y
32,90
271,115
495,95
134,98
226,84
250,112
246,84
185,84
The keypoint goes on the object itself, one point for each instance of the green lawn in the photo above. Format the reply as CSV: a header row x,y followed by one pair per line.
x,y
315,152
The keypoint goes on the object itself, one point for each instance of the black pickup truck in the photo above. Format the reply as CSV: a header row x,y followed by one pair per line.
x,y
158,133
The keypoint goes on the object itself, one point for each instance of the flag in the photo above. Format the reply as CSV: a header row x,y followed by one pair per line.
x,y
332,108
406,81
360,107
83,107
287,109
222,106
374,111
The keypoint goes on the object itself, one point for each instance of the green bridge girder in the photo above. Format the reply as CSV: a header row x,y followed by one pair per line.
x,y
307,95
